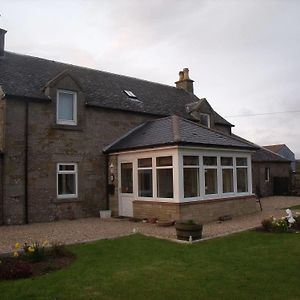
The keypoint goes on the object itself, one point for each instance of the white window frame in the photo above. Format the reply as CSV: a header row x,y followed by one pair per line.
x,y
197,167
66,122
160,168
230,167
218,154
212,167
248,171
141,169
59,172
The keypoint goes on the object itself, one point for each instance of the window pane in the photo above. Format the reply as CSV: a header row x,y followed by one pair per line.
x,y
65,106
267,174
165,183
145,183
66,184
66,167
164,161
211,186
126,178
191,160
145,162
204,119
242,180
227,180
226,161
191,182
209,161
241,161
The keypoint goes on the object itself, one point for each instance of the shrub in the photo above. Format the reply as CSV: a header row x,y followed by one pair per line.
x,y
59,250
267,224
35,252
275,225
15,269
296,225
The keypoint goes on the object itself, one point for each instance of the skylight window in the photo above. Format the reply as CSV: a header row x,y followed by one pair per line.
x,y
130,94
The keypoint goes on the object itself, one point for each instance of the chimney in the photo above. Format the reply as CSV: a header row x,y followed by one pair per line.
x,y
184,81
2,40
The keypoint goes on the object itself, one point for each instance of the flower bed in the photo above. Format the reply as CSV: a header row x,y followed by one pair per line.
x,y
281,225
34,260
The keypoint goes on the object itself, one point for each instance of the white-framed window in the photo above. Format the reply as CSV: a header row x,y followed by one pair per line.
x,y
191,181
67,180
66,107
227,175
145,177
205,120
267,174
242,174
164,177
211,174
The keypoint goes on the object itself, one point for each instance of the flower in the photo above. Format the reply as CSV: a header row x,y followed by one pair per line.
x,y
17,245
45,243
30,249
16,254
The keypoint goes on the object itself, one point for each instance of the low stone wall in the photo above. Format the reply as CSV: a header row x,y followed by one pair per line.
x,y
203,211
155,209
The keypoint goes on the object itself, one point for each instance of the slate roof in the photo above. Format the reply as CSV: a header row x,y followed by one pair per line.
x,y
25,76
274,148
175,130
265,155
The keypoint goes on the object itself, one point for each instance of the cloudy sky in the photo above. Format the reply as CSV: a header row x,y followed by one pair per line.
x,y
244,55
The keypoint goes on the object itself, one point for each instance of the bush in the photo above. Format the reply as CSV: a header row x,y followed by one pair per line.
x,y
59,250
267,224
15,269
34,252
275,225
296,225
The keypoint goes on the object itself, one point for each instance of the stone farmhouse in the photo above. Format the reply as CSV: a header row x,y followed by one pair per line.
x,y
75,141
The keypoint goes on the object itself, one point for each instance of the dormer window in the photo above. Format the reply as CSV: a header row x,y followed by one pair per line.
x,y
66,108
205,120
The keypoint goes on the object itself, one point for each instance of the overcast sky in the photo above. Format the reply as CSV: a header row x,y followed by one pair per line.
x,y
243,55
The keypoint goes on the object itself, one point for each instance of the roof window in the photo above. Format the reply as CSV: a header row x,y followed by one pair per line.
x,y
130,94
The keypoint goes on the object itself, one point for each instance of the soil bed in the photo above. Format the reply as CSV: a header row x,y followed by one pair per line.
x,y
12,268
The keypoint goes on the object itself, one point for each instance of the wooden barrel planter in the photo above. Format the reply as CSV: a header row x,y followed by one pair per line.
x,y
185,229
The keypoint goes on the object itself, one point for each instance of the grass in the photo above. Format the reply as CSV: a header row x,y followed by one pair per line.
x,y
250,265
294,207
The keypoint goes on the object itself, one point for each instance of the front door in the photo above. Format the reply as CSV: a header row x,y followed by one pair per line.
x,y
126,189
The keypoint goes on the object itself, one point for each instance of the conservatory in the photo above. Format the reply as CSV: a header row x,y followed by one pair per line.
x,y
180,177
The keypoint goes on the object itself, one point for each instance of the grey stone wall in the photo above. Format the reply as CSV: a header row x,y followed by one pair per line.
x,y
49,144
258,175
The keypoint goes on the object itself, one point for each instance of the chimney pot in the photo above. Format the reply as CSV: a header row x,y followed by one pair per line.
x,y
2,41
185,82
186,73
181,75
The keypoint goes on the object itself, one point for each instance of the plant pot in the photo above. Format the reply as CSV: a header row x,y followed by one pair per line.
x,y
105,214
184,230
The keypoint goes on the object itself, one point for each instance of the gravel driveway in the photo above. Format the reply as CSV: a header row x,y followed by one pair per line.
x,y
82,230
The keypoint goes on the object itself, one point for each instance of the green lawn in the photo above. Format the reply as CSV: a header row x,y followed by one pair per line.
x,y
294,207
250,265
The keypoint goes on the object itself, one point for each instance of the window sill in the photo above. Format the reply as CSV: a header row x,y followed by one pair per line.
x,y
66,200
67,127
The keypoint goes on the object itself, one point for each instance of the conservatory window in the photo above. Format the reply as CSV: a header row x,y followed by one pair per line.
x,y
211,175
191,176
164,175
242,174
227,174
145,186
